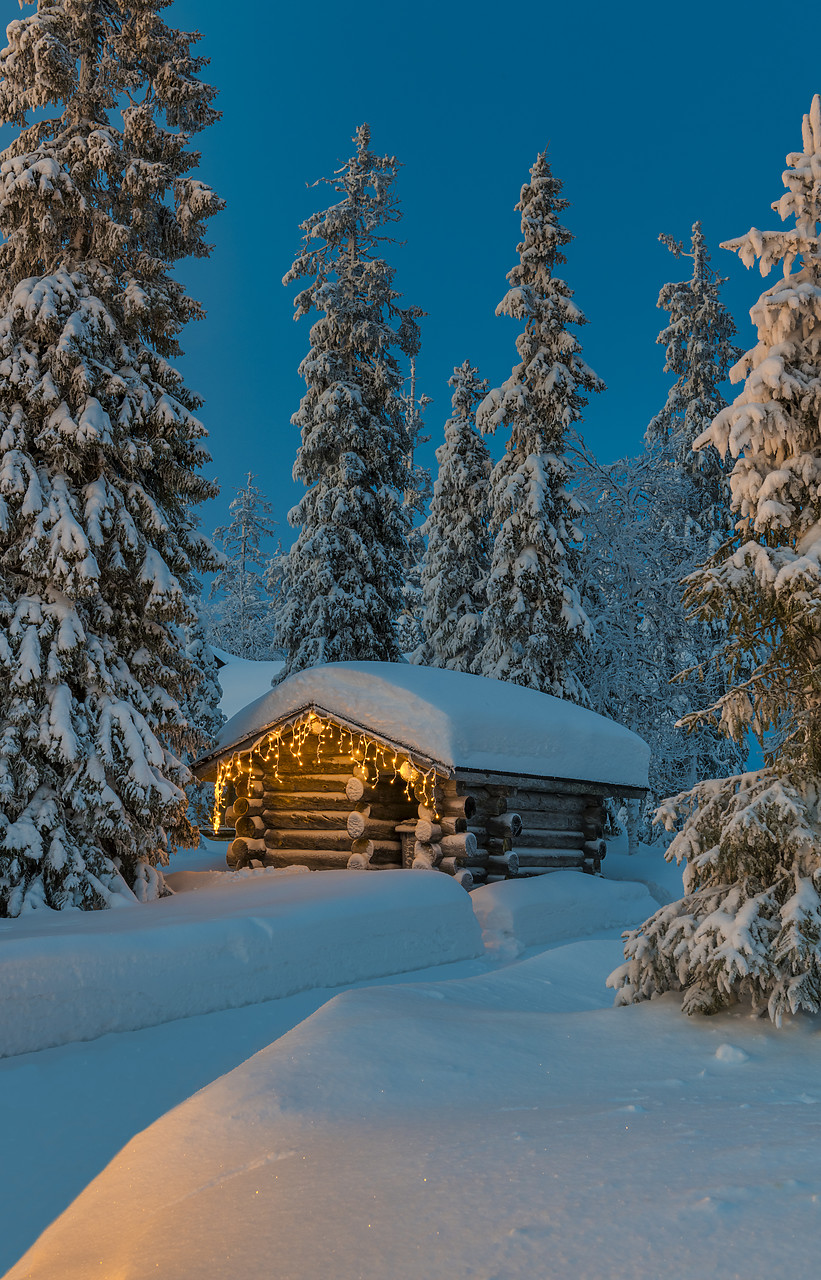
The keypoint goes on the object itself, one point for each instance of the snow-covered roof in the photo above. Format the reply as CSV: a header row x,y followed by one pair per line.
x,y
452,720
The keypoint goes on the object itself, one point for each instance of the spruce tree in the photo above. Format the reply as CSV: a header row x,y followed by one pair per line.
x,y
418,489
457,557
652,520
100,450
242,625
534,621
698,342
749,924
343,576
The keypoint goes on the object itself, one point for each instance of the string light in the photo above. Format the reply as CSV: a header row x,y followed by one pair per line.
x,y
386,764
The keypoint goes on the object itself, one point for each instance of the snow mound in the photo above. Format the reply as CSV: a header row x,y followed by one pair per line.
x,y
454,720
464,1128
516,914
236,941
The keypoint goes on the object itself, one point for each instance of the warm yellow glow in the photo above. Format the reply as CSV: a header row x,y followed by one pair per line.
x,y
375,760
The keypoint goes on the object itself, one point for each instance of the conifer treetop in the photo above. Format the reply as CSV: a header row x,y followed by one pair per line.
x,y
342,578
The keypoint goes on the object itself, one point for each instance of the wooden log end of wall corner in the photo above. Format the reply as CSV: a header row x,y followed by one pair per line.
x,y
425,812
427,831
356,825
504,824
460,844
453,826
358,862
354,789
498,844
363,847
464,877
457,807
252,828
427,849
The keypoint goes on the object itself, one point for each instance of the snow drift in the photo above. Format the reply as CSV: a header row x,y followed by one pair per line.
x,y
239,940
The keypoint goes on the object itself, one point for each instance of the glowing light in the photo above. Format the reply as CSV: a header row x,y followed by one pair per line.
x,y
375,761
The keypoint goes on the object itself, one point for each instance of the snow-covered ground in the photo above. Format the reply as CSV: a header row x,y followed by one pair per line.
x,y
492,1118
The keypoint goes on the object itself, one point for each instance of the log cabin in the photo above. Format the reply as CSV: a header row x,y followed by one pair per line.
x,y
371,765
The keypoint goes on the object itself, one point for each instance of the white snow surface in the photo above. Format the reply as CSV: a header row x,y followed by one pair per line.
x,y
240,938
456,720
481,1121
516,914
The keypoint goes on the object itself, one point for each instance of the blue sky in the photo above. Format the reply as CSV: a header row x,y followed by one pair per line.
x,y
654,117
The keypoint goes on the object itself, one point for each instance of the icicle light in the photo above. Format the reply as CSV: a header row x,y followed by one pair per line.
x,y
307,736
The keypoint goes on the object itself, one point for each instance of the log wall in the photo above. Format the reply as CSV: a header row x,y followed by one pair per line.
x,y
318,807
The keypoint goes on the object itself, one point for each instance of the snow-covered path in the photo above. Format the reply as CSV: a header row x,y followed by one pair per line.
x,y
486,1119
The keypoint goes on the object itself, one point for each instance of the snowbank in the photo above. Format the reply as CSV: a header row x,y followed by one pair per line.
x,y
236,941
470,1128
456,721
516,914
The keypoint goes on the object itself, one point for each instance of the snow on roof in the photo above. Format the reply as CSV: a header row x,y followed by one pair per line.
x,y
453,720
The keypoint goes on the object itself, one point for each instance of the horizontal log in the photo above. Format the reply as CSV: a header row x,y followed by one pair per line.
x,y
359,862
539,801
464,877
549,858
549,820
306,820
363,848
315,860
453,826
504,824
497,845
292,839
309,802
461,844
533,838
289,764
596,849
507,863
477,859
451,865
427,830
472,779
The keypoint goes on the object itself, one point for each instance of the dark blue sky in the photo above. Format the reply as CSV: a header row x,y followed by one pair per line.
x,y
655,115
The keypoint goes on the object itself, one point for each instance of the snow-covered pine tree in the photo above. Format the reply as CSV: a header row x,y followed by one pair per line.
x,y
203,713
457,557
242,624
698,342
749,924
100,451
534,622
343,576
651,521
418,489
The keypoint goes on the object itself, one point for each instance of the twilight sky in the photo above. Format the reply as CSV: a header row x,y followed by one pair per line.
x,y
655,115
